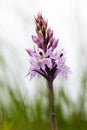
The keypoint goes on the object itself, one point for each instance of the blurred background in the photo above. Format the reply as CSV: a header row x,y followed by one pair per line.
x,y
24,103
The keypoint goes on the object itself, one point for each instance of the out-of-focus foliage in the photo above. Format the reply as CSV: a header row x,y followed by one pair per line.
x,y
16,114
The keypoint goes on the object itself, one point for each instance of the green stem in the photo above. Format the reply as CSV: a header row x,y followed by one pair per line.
x,y
51,103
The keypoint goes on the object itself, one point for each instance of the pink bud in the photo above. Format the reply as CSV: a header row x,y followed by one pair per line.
x,y
35,39
50,32
55,42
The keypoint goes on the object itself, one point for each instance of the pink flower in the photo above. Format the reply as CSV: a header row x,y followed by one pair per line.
x,y
44,60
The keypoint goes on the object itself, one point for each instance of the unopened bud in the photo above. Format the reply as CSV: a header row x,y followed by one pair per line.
x,y
50,32
35,39
40,15
44,25
55,42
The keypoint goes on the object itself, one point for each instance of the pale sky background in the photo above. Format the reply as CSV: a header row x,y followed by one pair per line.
x,y
68,19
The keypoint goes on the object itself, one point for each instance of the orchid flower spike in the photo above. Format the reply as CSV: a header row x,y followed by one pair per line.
x,y
44,61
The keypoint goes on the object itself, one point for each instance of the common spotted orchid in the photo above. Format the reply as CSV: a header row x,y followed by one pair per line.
x,y
44,60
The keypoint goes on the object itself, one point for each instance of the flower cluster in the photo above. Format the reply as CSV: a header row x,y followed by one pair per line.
x,y
44,60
